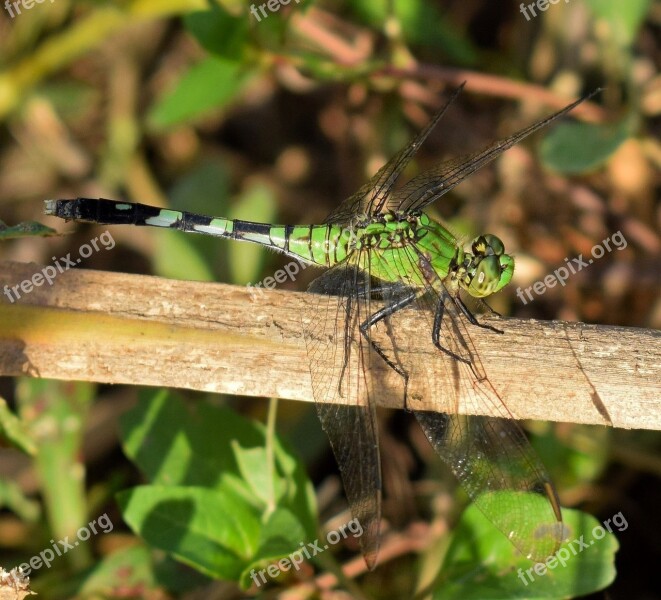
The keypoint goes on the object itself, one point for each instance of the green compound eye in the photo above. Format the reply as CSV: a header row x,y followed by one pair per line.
x,y
487,245
491,274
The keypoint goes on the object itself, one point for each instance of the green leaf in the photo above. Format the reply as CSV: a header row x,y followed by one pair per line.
x,y
13,429
219,452
582,147
26,229
210,84
281,536
219,32
481,563
422,23
624,18
214,531
575,458
177,257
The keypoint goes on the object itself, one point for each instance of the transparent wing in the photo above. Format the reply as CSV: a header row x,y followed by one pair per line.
x,y
371,198
340,360
491,457
432,184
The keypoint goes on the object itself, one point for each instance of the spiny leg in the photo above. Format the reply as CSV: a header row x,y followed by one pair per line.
x,y
347,344
379,315
459,303
436,329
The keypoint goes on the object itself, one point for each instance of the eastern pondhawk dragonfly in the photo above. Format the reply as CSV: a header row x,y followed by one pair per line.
x,y
385,259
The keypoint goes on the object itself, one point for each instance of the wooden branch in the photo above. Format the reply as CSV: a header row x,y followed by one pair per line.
x,y
140,330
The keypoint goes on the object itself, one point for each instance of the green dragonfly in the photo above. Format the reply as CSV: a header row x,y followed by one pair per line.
x,y
387,260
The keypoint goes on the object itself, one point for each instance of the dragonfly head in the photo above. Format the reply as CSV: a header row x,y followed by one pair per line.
x,y
488,269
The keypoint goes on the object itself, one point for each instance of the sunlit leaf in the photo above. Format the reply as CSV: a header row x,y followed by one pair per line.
x,y
210,84
215,502
481,563
582,147
219,32
624,18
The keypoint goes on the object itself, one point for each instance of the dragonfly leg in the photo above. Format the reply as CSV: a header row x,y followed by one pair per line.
x,y
491,310
347,345
471,318
435,338
379,315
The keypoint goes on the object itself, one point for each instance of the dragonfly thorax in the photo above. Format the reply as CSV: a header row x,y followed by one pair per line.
x,y
388,231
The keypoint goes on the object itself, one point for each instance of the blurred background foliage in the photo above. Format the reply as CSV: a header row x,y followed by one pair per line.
x,y
205,107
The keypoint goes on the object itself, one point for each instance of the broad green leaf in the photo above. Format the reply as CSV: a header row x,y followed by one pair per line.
x,y
481,563
15,431
624,18
582,147
281,536
177,257
214,531
173,445
215,448
26,229
219,32
210,84
422,23
204,189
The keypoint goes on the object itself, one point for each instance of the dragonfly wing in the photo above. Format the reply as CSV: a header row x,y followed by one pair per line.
x,y
341,382
432,184
372,197
490,456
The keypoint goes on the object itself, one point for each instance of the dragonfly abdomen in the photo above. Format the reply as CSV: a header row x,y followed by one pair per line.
x,y
324,245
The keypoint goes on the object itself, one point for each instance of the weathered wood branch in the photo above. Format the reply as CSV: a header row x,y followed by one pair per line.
x,y
118,328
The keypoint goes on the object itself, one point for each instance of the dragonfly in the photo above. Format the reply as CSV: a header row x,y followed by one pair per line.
x,y
387,260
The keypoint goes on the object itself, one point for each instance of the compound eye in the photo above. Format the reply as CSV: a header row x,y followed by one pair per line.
x,y
486,278
495,246
487,245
